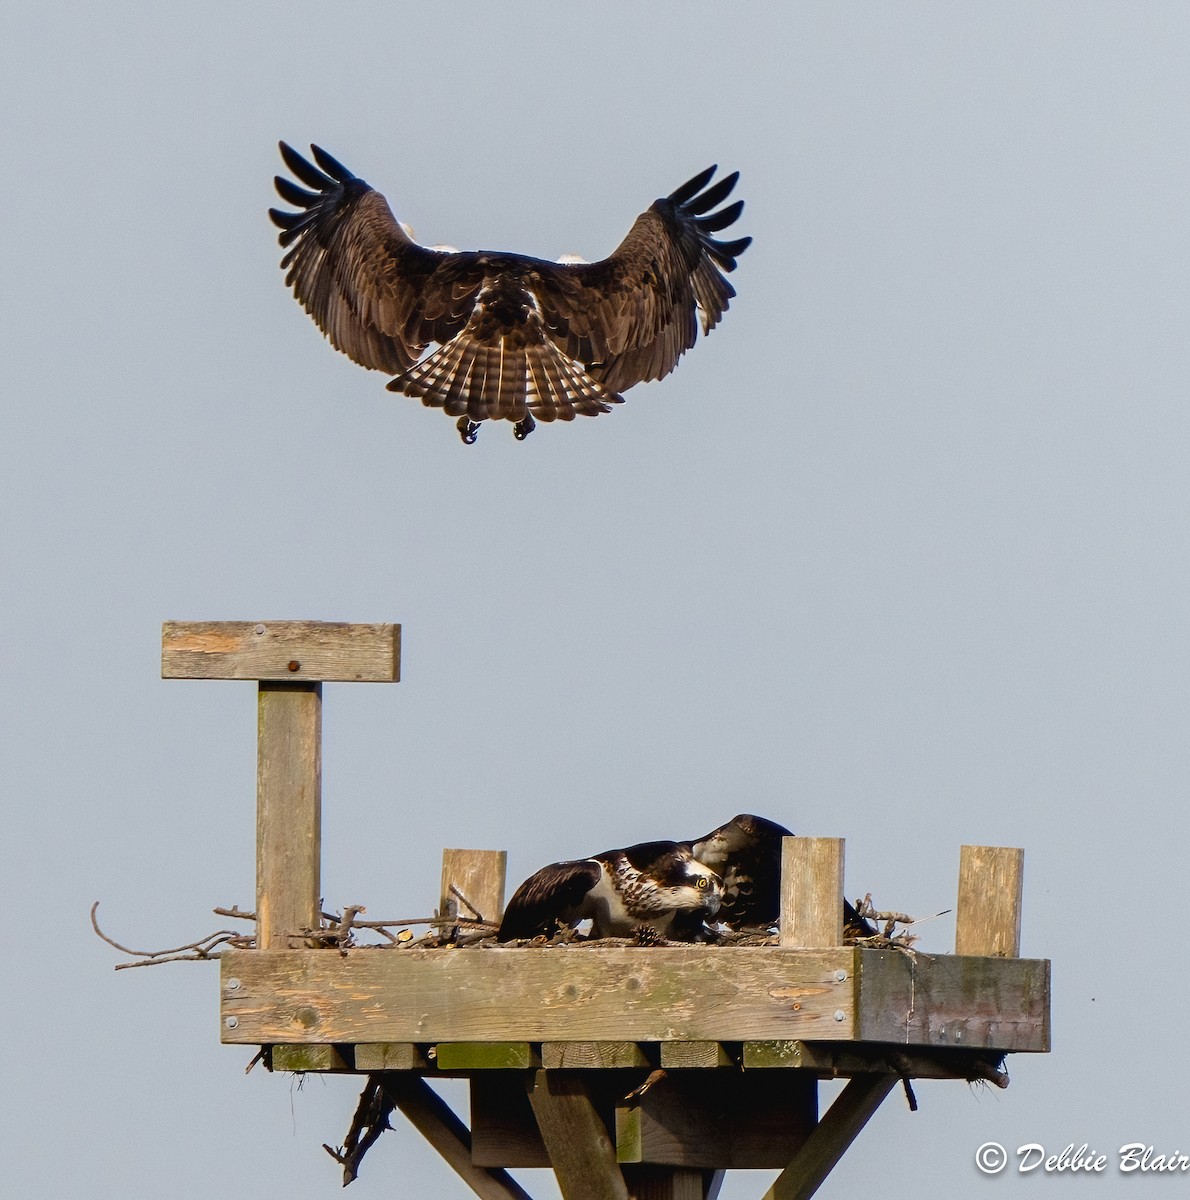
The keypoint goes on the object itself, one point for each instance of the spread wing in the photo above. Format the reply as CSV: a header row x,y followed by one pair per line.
x,y
631,316
549,898
516,335
376,294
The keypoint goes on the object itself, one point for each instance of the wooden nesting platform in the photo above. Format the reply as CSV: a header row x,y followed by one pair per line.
x,y
632,1071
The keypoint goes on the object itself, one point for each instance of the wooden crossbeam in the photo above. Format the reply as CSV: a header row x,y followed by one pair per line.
x,y
434,1119
834,1133
295,650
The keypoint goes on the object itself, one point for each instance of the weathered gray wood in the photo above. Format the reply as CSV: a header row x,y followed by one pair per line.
x,y
288,811
656,993
580,1149
835,1132
437,1123
301,650
988,914
389,1056
479,876
593,1055
717,1119
811,892
845,1059
642,994
952,1000
694,1054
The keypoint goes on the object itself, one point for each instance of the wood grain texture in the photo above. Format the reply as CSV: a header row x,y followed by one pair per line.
x,y
479,876
845,1059
288,811
433,1118
694,1054
988,915
671,1183
835,1132
389,1056
578,1142
321,650
562,993
308,1058
647,994
811,892
602,1056
486,1056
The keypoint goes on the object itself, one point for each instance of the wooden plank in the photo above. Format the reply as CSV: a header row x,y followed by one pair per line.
x,y
651,994
835,1132
642,994
307,1058
952,1000
436,1122
389,1056
580,1148
288,811
302,650
811,892
593,1055
988,915
694,1054
718,1120
479,876
485,1056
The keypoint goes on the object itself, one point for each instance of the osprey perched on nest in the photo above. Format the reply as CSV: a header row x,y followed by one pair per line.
x,y
519,339
655,884
746,854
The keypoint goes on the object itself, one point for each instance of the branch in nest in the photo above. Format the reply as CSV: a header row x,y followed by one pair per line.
x,y
370,1121
196,951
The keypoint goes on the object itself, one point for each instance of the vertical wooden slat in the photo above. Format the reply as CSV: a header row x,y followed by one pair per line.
x,y
666,1183
811,892
580,1149
288,810
988,914
835,1132
479,876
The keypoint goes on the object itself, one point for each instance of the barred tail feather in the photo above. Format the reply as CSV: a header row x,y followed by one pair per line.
x,y
506,380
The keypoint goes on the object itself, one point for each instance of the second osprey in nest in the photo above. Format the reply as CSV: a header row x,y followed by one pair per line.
x,y
518,338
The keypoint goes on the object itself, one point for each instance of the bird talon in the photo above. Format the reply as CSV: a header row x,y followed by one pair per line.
x,y
522,429
468,430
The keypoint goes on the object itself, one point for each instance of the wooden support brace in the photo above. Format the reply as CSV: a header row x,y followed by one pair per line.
x,y
811,892
672,1183
835,1132
988,915
580,1149
436,1122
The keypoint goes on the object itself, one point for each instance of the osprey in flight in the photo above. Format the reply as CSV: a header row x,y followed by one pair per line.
x,y
659,884
518,338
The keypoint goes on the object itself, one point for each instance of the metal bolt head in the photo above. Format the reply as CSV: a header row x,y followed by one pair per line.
x,y
840,1015
231,1022
233,985
840,975
294,665
258,630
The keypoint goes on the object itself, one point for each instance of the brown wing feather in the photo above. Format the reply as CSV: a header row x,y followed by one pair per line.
x,y
550,897
633,315
376,294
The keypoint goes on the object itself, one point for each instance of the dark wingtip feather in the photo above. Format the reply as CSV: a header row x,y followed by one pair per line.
x,y
332,166
692,187
305,170
721,219
713,195
292,194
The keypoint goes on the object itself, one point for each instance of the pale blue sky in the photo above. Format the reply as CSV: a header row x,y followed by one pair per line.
x,y
900,554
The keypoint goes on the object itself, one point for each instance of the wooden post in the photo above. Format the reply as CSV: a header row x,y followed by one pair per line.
x,y
988,916
288,812
811,892
477,876
289,660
